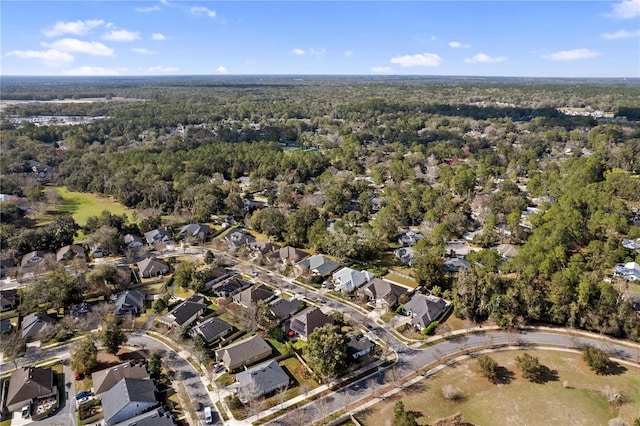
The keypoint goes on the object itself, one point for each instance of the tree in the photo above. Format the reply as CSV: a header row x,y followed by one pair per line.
x,y
158,305
154,365
111,335
596,359
327,350
404,418
530,367
55,290
84,355
13,345
488,367
208,257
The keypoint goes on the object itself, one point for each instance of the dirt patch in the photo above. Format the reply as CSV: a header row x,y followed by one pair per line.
x,y
106,360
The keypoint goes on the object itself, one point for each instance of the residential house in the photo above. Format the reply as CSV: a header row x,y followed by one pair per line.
x,y
244,352
127,399
317,264
152,267
230,287
195,230
97,251
157,235
212,329
70,252
130,303
35,324
5,266
185,313
252,295
155,417
263,248
217,274
507,251
261,380
239,238
42,172
382,293
425,309
405,254
8,299
409,238
290,255
283,308
107,378
348,280
631,244
33,262
359,346
29,385
629,271
133,244
307,320
5,326
454,264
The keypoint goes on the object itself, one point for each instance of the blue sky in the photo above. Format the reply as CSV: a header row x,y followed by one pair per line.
x,y
176,37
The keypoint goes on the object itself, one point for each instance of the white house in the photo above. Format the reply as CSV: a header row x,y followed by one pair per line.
x,y
348,279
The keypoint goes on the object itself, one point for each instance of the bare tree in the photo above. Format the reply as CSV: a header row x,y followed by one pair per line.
x,y
394,376
372,384
347,395
450,393
253,396
282,396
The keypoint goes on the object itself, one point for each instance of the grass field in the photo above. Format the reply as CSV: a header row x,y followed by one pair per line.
x,y
519,402
82,206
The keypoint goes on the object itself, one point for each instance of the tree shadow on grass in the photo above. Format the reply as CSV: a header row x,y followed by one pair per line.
x,y
504,376
615,369
417,387
545,374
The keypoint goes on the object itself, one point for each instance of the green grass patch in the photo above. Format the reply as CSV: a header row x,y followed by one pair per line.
x,y
221,410
401,279
6,422
225,380
82,206
280,347
298,371
387,316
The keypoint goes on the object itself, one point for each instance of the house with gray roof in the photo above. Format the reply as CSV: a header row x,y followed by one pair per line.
x,y
212,329
152,267
130,302
252,295
359,346
405,254
217,274
230,287
27,385
127,399
283,308
104,380
425,309
455,264
133,243
5,325
290,255
70,252
409,238
239,238
307,320
261,380
195,230
155,417
186,312
33,262
244,352
348,280
34,324
382,293
157,235
317,264
263,248
507,251
8,299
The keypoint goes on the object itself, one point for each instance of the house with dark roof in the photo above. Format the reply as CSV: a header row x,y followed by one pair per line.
x,y
382,293
195,230
5,326
359,346
307,320
127,399
348,280
409,238
70,252
157,235
261,380
107,378
252,295
317,264
130,302
405,254
133,243
244,352
455,264
185,313
425,309
212,329
34,324
290,255
155,417
217,274
152,267
239,238
283,308
230,287
263,248
8,299
28,385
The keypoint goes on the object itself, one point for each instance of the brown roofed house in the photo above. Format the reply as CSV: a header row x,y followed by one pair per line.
x,y
308,320
244,353
253,295
104,380
70,252
28,385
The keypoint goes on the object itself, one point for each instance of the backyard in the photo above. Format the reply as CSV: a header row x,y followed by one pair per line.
x,y
573,395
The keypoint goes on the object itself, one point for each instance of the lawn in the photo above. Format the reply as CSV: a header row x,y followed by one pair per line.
x,y
82,206
574,397
401,279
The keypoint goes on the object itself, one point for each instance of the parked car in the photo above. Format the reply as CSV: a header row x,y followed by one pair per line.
x,y
218,368
83,394
78,376
84,399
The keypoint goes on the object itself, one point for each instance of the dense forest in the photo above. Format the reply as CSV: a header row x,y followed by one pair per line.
x,y
372,157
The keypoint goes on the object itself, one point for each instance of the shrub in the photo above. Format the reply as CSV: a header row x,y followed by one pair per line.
x,y
430,329
596,359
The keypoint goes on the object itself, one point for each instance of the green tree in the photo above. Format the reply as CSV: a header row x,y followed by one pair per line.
x,y
158,305
530,367
404,418
596,359
327,350
55,290
84,355
154,365
208,257
111,335
488,367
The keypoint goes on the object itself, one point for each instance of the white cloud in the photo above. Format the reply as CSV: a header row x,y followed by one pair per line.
x,y
147,9
90,71
298,52
484,58
78,46
348,53
158,36
318,52
143,51
418,60
572,55
621,34
457,44
72,27
221,70
202,11
626,9
121,35
381,70
51,57
160,68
